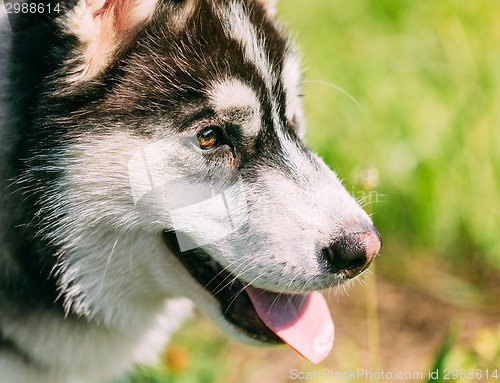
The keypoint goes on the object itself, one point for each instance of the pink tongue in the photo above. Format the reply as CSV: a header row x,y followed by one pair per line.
x,y
302,321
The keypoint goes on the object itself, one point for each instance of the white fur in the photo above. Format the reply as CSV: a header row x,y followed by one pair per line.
x,y
292,75
66,350
229,95
270,6
124,260
81,23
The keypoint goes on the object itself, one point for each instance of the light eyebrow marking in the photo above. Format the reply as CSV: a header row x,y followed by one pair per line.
x,y
231,97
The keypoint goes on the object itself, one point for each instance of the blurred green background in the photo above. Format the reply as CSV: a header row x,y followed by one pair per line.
x,y
402,100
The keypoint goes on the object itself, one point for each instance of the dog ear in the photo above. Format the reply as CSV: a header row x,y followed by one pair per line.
x,y
103,27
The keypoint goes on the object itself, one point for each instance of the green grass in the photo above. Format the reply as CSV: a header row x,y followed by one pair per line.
x,y
195,355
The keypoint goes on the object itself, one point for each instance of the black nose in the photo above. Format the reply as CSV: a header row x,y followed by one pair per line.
x,y
353,253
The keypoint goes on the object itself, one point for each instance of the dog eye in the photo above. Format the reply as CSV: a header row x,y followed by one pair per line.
x,y
209,137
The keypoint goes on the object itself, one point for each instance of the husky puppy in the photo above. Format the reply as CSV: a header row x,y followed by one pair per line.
x,y
151,156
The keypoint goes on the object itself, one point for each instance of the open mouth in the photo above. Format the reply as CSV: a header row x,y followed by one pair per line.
x,y
302,321
227,289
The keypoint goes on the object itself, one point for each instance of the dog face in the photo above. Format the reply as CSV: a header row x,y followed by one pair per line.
x,y
177,134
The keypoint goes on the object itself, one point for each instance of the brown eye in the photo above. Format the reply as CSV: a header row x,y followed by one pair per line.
x,y
208,138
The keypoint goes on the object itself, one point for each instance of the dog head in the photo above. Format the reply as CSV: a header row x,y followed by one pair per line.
x,y
178,139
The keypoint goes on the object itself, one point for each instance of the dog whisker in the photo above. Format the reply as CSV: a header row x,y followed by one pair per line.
x,y
233,276
337,88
